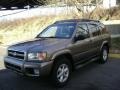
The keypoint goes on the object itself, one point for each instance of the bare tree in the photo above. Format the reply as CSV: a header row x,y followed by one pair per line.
x,y
79,4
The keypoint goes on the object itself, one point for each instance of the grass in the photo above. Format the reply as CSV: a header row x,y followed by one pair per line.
x,y
1,64
106,14
114,56
24,29
115,43
20,30
115,46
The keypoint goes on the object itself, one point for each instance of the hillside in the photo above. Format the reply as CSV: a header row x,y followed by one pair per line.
x,y
19,30
106,14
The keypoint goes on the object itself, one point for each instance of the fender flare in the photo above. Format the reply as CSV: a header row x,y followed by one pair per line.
x,y
105,42
61,52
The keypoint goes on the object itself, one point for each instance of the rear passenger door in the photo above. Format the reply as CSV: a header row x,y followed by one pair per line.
x,y
96,40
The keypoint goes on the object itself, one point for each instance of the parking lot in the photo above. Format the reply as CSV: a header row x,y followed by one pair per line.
x,y
91,77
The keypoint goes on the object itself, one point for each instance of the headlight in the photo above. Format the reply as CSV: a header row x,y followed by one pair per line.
x,y
37,56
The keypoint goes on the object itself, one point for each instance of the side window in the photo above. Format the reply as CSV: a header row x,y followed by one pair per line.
x,y
103,29
99,30
94,30
82,32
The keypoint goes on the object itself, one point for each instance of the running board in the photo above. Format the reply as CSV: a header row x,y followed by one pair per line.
x,y
84,64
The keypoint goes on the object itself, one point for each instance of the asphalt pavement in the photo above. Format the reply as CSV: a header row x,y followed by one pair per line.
x,y
91,77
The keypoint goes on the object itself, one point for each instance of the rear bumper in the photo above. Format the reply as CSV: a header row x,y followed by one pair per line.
x,y
28,68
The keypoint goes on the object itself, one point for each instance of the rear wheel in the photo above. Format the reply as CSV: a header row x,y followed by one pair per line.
x,y
104,54
61,72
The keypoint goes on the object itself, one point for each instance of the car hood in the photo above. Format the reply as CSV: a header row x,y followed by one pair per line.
x,y
39,44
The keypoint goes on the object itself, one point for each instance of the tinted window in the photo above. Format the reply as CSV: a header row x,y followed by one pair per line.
x,y
94,29
82,30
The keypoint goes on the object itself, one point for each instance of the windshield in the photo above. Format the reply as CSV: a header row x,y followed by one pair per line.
x,y
58,31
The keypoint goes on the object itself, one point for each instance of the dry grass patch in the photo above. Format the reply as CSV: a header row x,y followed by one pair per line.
x,y
114,56
19,30
2,65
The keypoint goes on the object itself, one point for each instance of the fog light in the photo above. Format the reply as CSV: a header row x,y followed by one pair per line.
x,y
36,71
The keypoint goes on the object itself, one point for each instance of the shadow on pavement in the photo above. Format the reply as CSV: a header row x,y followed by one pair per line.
x,y
91,77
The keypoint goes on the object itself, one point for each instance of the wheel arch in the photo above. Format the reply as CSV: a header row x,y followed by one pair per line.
x,y
105,43
65,54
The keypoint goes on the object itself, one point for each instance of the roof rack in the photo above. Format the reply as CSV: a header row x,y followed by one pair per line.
x,y
76,20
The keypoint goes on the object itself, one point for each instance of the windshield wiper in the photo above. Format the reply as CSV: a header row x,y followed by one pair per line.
x,y
50,37
54,37
47,37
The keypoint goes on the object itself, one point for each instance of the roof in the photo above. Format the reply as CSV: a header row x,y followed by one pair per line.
x,y
75,20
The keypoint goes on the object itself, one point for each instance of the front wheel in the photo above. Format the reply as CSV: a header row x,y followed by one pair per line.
x,y
61,72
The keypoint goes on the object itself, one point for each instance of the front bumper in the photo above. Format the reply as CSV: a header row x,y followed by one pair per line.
x,y
28,68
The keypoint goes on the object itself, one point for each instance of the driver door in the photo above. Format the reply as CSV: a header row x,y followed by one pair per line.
x,y
82,46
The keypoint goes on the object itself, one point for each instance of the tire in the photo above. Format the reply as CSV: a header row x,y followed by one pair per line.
x,y
104,55
61,72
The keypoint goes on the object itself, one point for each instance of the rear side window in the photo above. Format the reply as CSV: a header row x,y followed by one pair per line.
x,y
94,29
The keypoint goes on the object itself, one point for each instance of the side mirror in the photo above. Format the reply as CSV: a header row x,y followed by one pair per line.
x,y
79,37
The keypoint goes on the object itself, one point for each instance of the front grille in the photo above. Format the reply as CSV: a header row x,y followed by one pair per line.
x,y
16,54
